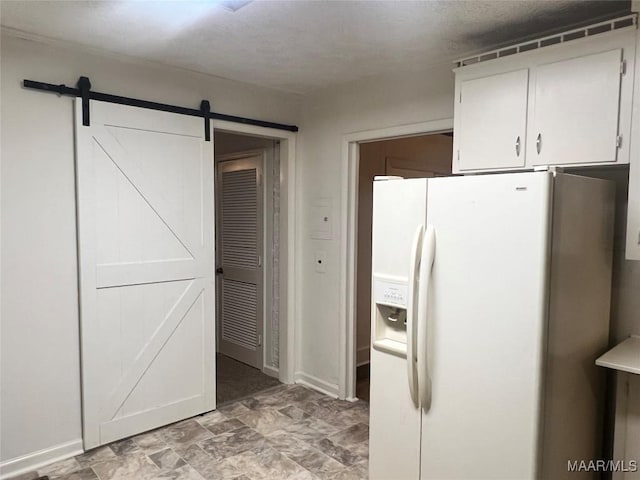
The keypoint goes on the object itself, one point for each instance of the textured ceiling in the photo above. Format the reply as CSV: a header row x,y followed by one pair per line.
x,y
299,46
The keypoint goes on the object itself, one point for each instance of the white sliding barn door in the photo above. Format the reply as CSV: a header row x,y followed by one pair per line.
x,y
145,235
240,236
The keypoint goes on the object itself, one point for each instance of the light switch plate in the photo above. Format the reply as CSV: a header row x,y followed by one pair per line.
x,y
321,219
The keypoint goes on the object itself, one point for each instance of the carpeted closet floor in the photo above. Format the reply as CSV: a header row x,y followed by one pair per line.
x,y
236,380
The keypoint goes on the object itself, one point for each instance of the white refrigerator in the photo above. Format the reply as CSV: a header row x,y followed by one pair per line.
x,y
490,304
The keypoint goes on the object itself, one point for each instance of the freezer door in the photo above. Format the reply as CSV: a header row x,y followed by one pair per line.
x,y
485,326
394,423
399,213
399,206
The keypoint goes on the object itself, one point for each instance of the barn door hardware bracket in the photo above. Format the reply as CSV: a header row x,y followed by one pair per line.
x,y
84,91
84,85
205,108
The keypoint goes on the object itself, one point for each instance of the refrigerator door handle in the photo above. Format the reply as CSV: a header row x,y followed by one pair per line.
x,y
426,264
412,304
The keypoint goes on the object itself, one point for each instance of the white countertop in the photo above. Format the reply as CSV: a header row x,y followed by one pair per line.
x,y
625,356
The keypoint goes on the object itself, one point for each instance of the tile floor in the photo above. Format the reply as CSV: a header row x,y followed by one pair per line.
x,y
288,431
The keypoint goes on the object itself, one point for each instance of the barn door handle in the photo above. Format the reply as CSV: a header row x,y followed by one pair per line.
x,y
219,271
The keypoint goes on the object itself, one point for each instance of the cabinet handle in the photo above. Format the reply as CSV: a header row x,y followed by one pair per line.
x,y
539,143
518,146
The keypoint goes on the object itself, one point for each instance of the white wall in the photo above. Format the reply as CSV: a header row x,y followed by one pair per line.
x,y
327,116
40,379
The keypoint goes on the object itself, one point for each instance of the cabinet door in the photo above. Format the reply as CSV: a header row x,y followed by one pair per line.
x,y
575,111
491,115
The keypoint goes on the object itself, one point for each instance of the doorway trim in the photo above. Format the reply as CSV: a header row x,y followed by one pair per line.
x,y
348,241
287,320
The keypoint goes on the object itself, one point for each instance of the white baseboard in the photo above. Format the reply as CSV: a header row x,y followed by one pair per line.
x,y
34,461
271,371
363,355
321,386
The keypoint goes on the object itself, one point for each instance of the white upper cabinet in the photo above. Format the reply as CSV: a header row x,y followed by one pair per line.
x,y
575,110
491,121
566,104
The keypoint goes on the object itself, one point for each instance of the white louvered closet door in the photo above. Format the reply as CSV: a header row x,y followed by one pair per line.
x,y
239,257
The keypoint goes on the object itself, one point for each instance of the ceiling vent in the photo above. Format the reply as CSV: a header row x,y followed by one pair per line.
x,y
564,37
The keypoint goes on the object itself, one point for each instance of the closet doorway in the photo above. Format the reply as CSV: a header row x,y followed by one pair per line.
x,y
418,156
247,200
